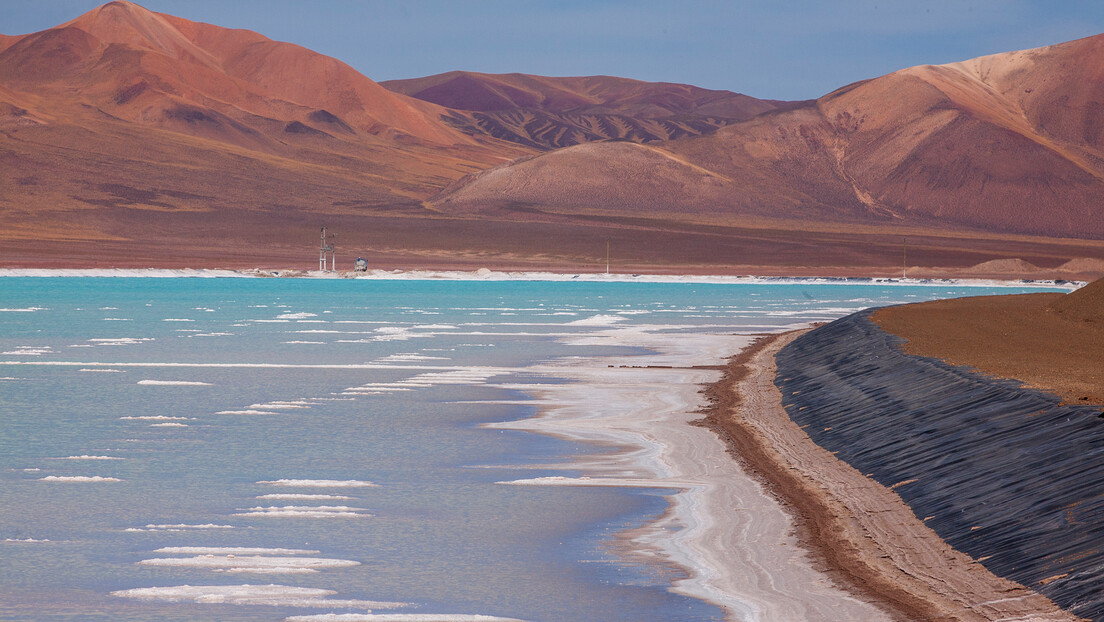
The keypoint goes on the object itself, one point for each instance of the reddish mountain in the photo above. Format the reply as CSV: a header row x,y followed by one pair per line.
x,y
126,109
1010,143
547,113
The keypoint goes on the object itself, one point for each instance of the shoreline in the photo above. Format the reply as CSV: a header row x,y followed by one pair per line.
x,y
863,533
733,542
487,275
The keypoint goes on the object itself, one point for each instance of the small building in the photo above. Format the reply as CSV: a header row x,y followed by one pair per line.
x,y
361,264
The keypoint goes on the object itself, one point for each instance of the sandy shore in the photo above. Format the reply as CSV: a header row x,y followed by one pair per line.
x,y
862,532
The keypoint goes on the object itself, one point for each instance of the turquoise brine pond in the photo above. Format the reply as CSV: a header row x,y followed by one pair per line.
x,y
308,446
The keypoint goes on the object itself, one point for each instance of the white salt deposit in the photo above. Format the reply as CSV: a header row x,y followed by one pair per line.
x,y
78,478
274,595
29,351
168,425
84,457
398,617
250,563
597,320
102,371
306,511
231,550
174,383
156,418
179,527
290,496
321,483
247,411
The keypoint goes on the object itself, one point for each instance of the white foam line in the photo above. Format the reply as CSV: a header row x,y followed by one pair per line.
x,y
494,275
274,595
321,483
248,411
231,550
620,482
495,370
24,540
110,371
156,418
78,478
246,563
174,383
85,457
399,617
305,511
291,496
168,425
179,527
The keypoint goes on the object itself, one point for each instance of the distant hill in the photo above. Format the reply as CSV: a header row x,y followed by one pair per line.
x,y
548,113
1010,143
127,108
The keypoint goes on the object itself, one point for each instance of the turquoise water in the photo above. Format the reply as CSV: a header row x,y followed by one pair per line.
x,y
138,414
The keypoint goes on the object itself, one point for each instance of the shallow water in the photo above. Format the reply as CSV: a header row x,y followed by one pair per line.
x,y
340,420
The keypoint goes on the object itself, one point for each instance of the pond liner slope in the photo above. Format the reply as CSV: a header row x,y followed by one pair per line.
x,y
1004,474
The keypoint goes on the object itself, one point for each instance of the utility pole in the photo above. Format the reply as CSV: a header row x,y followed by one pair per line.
x,y
607,255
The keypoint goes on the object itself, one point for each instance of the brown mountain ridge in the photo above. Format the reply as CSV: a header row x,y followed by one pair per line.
x,y
547,113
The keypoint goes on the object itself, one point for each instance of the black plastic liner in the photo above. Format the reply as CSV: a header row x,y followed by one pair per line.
x,y
1006,474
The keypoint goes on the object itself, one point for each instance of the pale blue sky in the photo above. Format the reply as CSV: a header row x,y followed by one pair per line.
x,y
781,49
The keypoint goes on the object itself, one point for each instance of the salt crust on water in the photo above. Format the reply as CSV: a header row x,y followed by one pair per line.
x,y
248,411
251,563
321,483
179,527
275,595
155,418
306,511
230,550
491,275
78,478
301,497
398,617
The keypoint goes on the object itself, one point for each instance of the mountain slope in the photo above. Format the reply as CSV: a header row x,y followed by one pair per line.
x,y
1008,143
546,112
122,122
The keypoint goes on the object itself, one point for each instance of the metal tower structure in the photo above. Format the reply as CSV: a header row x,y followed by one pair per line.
x,y
327,246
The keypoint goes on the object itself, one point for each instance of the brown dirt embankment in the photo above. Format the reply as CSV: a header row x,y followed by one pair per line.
x,y
867,538
1051,342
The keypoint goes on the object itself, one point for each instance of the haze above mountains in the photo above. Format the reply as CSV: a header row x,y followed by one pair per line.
x,y
145,139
